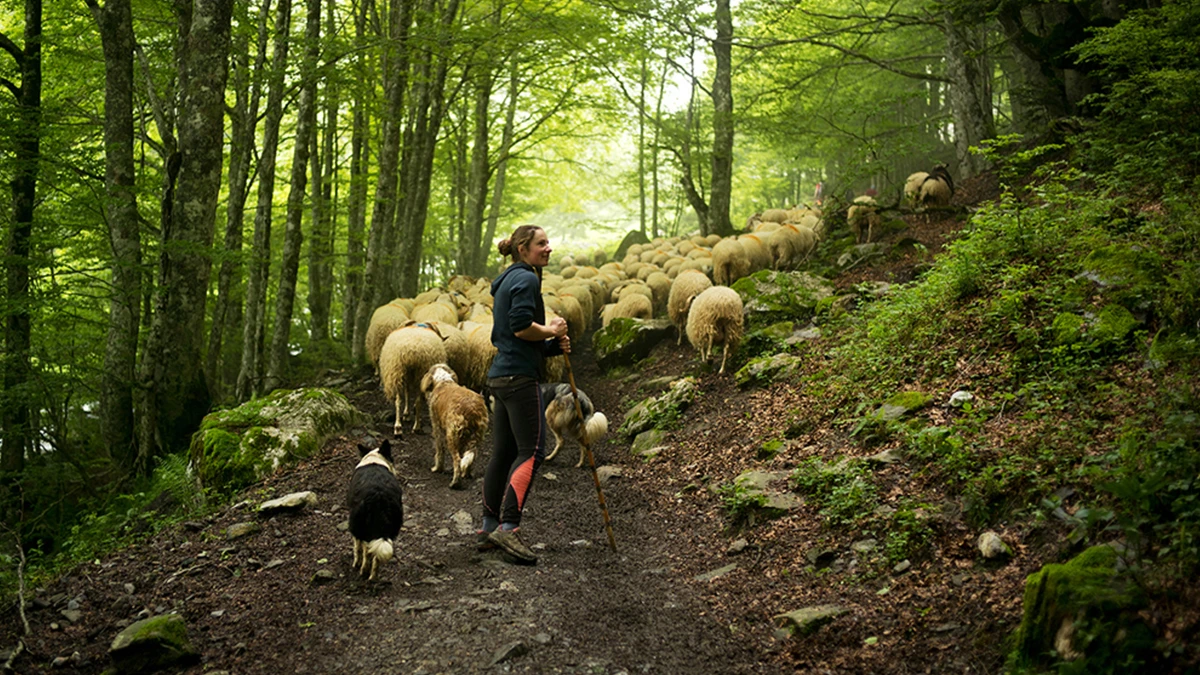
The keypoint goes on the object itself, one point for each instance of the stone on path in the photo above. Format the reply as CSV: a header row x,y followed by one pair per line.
x,y
992,546
239,530
809,620
151,645
292,502
508,652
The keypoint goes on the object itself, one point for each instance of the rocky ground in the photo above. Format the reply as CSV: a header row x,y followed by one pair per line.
x,y
683,593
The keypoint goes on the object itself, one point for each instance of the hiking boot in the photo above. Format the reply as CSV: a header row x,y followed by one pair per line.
x,y
510,543
483,541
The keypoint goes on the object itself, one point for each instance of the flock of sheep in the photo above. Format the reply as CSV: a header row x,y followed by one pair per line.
x,y
684,279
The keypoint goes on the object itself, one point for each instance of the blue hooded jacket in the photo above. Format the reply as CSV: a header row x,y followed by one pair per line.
x,y
517,304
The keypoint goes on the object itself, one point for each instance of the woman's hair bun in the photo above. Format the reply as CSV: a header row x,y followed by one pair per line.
x,y
505,247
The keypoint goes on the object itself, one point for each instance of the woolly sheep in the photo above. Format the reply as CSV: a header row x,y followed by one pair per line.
x,y
660,286
699,240
434,311
599,257
756,252
789,245
701,264
426,297
715,317
631,305
938,188
684,247
863,217
730,262
384,320
646,271
766,228
457,350
480,352
912,186
699,252
407,355
774,216
686,286
712,239
583,295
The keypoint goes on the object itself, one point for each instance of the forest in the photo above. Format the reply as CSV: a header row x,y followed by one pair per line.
x,y
207,199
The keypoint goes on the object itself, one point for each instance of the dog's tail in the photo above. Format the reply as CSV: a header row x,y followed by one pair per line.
x,y
595,428
380,549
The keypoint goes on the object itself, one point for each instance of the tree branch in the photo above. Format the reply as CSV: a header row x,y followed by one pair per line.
x,y
11,86
11,47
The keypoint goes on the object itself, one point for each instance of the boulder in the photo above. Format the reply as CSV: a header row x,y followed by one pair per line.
x,y
1085,613
624,341
237,447
648,444
902,404
766,369
769,296
661,411
631,238
152,645
757,487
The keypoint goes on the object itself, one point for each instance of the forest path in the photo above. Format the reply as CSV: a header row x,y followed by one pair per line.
x,y
252,605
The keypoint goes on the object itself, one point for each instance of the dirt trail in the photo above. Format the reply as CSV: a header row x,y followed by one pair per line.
x,y
440,607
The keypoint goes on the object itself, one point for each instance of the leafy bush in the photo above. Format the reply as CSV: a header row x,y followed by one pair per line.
x,y
844,490
1150,132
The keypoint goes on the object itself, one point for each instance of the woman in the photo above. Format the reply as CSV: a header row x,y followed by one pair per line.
x,y
522,339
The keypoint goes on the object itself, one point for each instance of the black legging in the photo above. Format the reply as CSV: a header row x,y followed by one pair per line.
x,y
519,446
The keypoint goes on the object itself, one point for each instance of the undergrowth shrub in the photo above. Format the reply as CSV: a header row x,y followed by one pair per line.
x,y
844,490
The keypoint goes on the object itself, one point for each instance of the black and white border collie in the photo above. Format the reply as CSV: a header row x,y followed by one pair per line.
x,y
376,504
563,419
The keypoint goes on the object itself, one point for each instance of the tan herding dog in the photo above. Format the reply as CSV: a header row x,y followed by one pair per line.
x,y
459,418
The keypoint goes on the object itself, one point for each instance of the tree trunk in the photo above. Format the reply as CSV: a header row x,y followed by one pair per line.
x,y
293,236
360,150
320,265
118,430
722,96
477,178
15,421
244,120
971,108
662,85
395,81
260,254
429,123
172,376
641,178
320,247
506,142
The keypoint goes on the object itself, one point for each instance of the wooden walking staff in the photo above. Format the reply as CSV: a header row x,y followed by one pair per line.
x,y
612,542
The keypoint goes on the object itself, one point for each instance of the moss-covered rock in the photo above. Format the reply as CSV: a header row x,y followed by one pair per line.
x,y
151,645
1113,325
769,296
662,411
240,446
767,369
648,444
903,403
624,342
1067,328
1081,616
